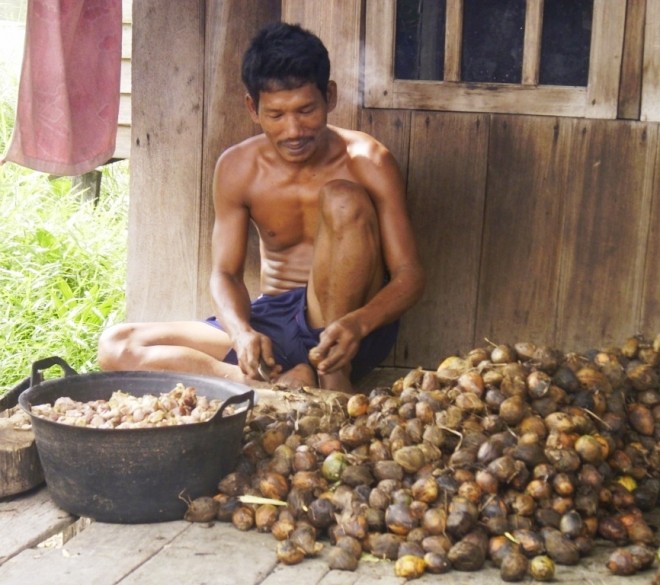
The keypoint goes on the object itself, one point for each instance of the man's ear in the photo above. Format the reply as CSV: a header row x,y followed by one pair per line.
x,y
332,95
252,108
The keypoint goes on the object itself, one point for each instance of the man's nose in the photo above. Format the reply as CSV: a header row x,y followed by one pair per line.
x,y
294,128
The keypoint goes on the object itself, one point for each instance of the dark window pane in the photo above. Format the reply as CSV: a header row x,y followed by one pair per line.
x,y
420,39
566,42
493,35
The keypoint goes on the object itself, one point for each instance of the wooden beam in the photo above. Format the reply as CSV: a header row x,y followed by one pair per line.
x,y
453,40
379,54
167,101
630,92
650,319
606,55
532,43
651,69
88,185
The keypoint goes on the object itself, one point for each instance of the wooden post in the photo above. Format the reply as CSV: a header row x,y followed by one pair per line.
x,y
88,185
166,152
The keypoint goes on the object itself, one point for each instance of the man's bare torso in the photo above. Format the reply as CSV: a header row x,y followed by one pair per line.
x,y
282,200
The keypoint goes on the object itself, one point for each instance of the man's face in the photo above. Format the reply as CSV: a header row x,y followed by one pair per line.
x,y
294,120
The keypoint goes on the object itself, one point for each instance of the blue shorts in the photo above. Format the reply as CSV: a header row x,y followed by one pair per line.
x,y
282,318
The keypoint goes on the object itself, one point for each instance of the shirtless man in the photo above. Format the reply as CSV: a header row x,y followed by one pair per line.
x,y
339,264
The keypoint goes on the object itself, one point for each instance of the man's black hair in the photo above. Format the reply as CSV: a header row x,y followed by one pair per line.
x,y
285,56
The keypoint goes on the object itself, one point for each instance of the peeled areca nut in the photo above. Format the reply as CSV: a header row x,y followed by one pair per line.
x,y
542,568
409,567
503,354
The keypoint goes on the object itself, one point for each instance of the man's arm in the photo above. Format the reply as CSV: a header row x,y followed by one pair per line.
x,y
386,187
231,298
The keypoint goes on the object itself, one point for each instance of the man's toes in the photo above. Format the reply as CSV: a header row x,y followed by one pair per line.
x,y
298,377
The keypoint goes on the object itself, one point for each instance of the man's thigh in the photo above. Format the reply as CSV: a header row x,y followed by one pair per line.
x,y
348,265
197,335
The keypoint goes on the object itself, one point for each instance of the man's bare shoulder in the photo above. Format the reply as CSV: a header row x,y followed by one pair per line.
x,y
246,149
368,157
362,147
237,167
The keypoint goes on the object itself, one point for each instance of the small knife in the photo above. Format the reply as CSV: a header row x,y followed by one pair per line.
x,y
264,370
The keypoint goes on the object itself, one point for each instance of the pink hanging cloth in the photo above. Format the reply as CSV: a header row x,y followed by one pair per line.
x,y
68,96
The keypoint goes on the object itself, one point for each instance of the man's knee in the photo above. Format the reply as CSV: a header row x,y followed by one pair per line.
x,y
113,346
343,202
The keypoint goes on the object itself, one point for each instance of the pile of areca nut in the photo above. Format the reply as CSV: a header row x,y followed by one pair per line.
x,y
516,456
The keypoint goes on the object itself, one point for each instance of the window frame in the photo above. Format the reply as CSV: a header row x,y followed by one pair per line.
x,y
598,99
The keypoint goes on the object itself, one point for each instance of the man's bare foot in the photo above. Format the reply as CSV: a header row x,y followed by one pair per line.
x,y
337,381
298,377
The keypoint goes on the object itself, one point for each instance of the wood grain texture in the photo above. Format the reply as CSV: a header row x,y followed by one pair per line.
x,y
123,140
222,555
527,162
598,100
651,64
605,233
27,520
392,128
650,319
446,189
532,44
20,468
605,58
379,54
167,105
102,553
453,40
630,91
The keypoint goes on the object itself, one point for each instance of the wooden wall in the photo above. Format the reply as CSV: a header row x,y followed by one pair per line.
x,y
530,227
123,144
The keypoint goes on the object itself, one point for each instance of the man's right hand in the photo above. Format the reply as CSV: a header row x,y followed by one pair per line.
x,y
252,348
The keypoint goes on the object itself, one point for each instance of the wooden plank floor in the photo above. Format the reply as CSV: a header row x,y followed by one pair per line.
x,y
198,554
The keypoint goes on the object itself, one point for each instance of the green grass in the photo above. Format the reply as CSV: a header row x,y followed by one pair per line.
x,y
62,262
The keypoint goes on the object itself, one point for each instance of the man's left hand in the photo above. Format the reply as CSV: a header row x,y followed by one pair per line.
x,y
338,344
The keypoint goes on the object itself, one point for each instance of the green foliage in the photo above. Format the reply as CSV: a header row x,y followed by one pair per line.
x,y
62,264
